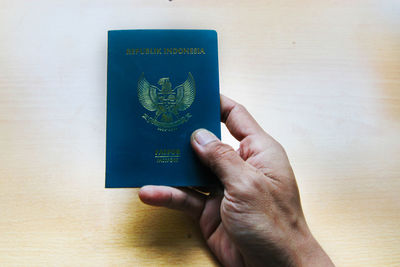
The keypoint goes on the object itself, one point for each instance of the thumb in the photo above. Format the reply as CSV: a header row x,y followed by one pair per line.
x,y
221,158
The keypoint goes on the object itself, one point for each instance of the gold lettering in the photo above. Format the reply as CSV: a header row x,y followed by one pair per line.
x,y
167,155
165,51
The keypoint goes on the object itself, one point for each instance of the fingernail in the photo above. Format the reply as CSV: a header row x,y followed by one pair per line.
x,y
203,137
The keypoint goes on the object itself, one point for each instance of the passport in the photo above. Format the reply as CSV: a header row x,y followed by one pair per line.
x,y
161,86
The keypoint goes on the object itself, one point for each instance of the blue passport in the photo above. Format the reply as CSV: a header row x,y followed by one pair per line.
x,y
161,86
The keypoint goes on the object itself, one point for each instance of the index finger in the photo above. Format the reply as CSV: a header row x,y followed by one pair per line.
x,y
238,120
190,202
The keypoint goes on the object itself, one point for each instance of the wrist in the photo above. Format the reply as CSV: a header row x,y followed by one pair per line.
x,y
308,252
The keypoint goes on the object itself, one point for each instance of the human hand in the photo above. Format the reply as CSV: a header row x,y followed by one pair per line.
x,y
257,220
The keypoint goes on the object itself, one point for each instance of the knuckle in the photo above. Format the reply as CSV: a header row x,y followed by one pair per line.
x,y
231,207
277,146
240,108
232,203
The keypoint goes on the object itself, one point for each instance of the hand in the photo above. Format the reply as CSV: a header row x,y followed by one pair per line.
x,y
257,220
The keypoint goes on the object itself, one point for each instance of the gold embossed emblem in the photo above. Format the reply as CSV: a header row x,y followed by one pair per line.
x,y
167,103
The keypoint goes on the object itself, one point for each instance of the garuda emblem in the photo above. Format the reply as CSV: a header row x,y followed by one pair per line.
x,y
167,103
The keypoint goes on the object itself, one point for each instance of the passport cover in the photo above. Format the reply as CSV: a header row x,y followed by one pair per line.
x,y
161,86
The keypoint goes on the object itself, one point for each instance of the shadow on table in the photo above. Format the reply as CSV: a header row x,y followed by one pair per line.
x,y
160,235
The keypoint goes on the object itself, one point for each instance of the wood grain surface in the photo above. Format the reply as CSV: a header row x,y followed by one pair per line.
x,y
322,77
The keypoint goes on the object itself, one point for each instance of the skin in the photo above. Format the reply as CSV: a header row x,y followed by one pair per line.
x,y
257,218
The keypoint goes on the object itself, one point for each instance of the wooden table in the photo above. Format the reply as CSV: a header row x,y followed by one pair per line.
x,y
323,77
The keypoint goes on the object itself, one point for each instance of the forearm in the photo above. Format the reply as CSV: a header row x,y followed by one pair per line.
x,y
299,248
